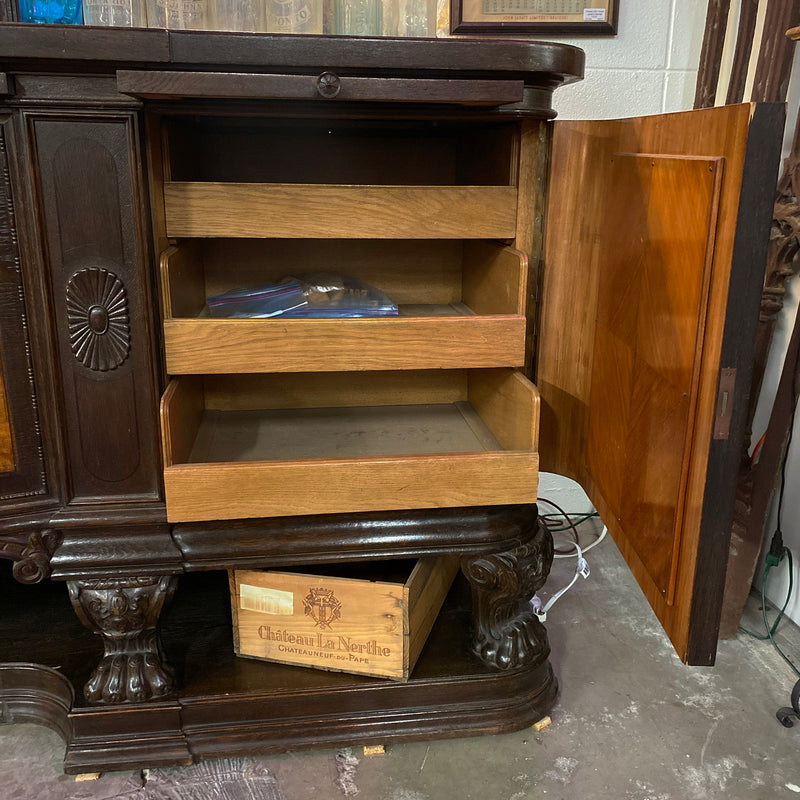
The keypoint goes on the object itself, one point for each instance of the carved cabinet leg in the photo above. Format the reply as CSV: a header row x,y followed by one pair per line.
x,y
125,613
507,632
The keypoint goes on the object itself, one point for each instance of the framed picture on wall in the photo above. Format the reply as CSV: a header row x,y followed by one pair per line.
x,y
541,17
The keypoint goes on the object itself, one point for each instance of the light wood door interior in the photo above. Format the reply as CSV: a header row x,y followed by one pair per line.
x,y
639,260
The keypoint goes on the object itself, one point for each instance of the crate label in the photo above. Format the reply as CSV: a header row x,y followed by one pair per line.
x,y
266,600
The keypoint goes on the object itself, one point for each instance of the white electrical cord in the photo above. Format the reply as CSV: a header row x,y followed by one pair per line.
x,y
587,548
581,570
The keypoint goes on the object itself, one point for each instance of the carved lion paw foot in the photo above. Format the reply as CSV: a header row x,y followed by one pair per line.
x,y
523,642
129,678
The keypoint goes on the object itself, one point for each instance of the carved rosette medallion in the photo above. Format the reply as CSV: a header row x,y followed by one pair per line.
x,y
507,632
125,613
99,326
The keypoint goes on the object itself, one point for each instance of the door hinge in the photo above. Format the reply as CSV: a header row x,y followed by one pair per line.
x,y
722,418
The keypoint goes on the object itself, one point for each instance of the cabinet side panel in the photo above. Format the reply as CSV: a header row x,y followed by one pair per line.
x,y
99,291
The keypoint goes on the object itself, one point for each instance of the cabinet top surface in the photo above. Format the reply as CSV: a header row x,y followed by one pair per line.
x,y
67,47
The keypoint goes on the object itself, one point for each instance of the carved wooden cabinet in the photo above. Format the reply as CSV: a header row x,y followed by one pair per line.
x,y
141,440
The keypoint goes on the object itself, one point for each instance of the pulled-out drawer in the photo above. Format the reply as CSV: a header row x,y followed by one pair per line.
x,y
461,306
240,446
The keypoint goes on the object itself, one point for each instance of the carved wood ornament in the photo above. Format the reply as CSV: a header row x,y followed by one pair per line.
x,y
31,554
507,632
99,326
125,613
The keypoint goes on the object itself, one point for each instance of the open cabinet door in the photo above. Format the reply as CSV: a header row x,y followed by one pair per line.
x,y
655,247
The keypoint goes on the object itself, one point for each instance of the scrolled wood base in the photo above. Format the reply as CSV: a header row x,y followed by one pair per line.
x,y
508,634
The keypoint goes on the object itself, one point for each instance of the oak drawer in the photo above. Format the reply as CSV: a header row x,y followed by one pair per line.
x,y
281,445
461,305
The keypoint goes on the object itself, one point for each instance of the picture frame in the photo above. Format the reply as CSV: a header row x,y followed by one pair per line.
x,y
540,17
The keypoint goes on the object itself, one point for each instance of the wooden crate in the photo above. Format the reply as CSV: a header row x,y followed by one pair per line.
x,y
344,624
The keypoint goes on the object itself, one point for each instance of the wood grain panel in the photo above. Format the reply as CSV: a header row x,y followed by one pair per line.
x,y
495,278
321,486
181,413
183,292
323,211
509,405
427,585
365,481
409,271
656,249
570,374
320,345
322,390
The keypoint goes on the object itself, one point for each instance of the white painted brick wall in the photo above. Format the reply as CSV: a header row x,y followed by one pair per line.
x,y
650,67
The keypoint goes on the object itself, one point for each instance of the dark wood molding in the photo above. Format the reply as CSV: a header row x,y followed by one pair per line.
x,y
328,538
327,85
748,14
776,52
88,44
711,53
91,229
120,550
114,739
36,694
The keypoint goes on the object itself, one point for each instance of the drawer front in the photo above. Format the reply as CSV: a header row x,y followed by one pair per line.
x,y
319,486
220,346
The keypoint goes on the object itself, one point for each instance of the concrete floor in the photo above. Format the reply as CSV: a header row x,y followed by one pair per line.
x,y
632,722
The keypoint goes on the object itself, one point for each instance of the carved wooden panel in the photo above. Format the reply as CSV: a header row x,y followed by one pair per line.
x,y
99,289
22,471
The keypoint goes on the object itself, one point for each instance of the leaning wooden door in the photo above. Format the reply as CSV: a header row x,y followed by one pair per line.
x,y
655,247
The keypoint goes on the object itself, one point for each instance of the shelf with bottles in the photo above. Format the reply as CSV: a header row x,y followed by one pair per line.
x,y
405,18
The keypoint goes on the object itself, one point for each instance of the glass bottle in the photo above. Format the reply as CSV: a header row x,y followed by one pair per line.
x,y
417,18
294,16
179,14
61,12
358,17
239,15
120,13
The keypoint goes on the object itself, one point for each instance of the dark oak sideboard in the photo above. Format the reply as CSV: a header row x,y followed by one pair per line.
x,y
586,294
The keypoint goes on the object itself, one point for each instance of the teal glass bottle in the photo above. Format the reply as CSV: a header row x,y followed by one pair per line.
x,y
60,12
